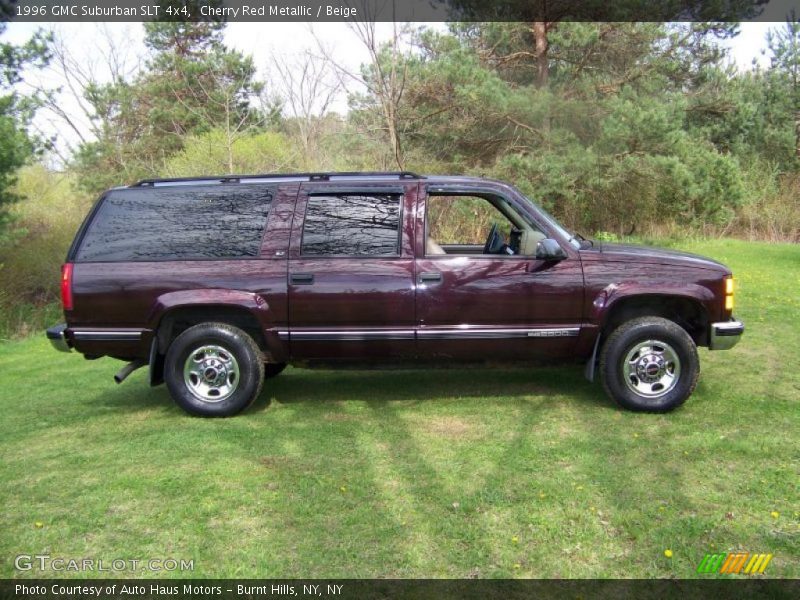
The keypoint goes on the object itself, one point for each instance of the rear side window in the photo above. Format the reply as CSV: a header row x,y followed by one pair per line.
x,y
352,225
178,223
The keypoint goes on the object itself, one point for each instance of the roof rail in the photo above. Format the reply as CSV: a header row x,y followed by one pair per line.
x,y
283,176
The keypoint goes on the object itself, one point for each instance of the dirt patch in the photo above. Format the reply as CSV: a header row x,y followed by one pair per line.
x,y
450,427
274,462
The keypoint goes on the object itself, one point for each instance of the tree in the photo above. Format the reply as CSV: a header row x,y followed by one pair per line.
x,y
307,86
221,98
384,78
17,145
110,56
784,44
191,84
605,143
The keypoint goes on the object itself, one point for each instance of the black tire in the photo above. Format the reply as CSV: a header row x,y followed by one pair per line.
x,y
656,377
273,370
216,350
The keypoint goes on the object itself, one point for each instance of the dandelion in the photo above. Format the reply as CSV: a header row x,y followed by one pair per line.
x,y
343,489
668,553
517,566
515,540
775,514
39,524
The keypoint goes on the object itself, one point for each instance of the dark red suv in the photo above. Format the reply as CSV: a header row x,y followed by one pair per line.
x,y
217,283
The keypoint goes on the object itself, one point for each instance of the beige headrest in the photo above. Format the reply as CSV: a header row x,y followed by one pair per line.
x,y
431,247
528,241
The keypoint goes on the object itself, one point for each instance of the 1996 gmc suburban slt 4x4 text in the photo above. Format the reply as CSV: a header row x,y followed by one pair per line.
x,y
216,283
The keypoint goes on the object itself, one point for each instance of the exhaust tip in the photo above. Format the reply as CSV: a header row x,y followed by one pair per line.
x,y
123,373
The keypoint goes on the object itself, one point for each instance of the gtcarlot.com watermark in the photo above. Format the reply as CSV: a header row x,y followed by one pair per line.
x,y
45,562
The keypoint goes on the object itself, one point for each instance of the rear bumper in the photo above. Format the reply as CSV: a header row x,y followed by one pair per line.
x,y
56,335
725,335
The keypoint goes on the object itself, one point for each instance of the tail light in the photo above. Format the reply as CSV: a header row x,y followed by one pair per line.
x,y
66,286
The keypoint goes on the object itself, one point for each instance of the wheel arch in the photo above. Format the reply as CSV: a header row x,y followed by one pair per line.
x,y
175,312
689,310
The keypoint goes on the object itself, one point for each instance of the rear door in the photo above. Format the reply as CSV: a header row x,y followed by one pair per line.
x,y
351,272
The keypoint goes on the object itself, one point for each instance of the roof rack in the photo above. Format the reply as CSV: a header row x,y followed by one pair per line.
x,y
277,176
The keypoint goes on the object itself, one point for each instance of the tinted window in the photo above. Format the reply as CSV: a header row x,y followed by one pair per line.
x,y
352,225
177,223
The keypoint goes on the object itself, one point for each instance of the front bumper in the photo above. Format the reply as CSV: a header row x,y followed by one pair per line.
x,y
725,335
58,338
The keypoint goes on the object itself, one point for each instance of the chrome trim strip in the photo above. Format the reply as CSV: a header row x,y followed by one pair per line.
x,y
351,335
430,333
496,333
108,335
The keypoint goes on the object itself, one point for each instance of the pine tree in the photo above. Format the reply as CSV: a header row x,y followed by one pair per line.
x,y
784,44
17,144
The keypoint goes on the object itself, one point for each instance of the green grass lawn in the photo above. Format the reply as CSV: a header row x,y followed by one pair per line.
x,y
463,473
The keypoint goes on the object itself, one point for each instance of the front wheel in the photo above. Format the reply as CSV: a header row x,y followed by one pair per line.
x,y
649,364
214,370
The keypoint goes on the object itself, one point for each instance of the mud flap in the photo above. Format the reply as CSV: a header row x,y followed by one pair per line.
x,y
591,363
156,363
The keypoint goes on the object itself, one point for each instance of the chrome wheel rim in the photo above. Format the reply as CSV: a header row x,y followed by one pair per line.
x,y
211,373
651,369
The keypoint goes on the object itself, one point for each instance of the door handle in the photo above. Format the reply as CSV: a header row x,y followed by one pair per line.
x,y
430,277
301,278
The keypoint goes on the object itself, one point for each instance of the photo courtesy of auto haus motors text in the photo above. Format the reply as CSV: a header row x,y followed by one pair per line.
x,y
140,590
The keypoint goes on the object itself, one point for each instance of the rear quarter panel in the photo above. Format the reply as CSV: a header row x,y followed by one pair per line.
x,y
135,295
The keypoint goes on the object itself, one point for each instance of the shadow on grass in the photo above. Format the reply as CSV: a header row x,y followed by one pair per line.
x,y
322,388
383,446
433,385
458,532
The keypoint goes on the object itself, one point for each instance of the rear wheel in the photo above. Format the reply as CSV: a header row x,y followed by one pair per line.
x,y
214,370
649,364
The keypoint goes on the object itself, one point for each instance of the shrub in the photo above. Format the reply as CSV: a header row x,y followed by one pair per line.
x,y
45,221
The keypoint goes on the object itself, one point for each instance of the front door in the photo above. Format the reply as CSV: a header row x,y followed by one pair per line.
x,y
351,272
487,297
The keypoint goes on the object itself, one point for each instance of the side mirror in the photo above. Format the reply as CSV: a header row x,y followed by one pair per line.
x,y
548,249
